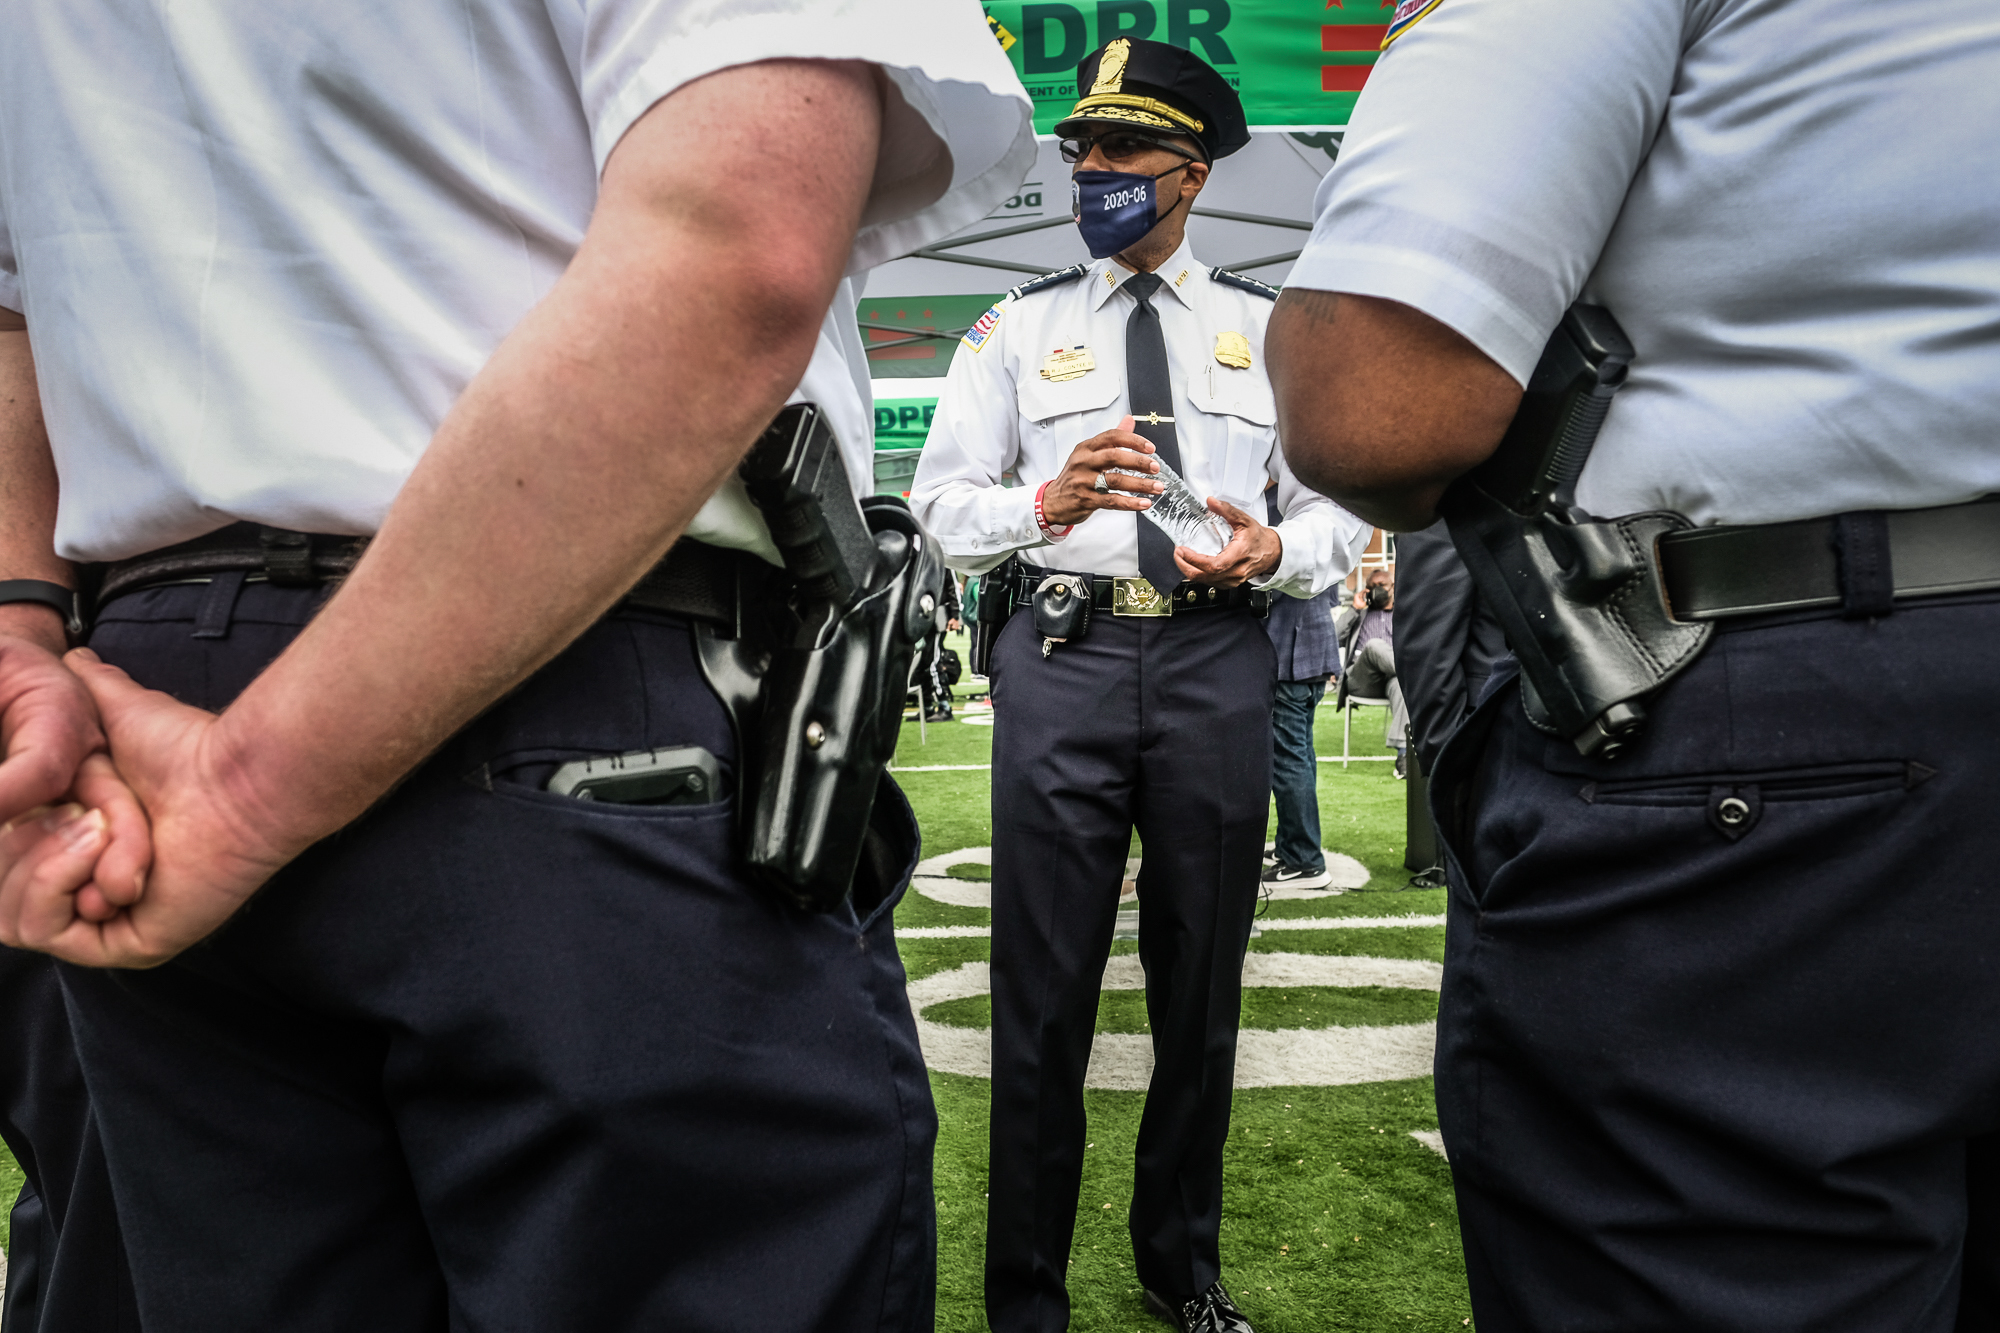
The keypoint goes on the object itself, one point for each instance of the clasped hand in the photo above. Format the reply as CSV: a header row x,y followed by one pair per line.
x,y
115,864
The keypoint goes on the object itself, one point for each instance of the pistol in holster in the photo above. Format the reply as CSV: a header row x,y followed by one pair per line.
x,y
815,686
1581,598
996,606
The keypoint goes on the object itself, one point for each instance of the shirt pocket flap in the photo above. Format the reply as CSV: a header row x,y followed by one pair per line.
x,y
1227,391
1044,400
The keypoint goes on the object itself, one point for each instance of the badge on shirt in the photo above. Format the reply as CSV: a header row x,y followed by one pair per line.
x,y
975,337
1072,364
1406,17
1232,349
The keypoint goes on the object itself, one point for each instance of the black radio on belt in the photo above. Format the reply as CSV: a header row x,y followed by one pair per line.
x,y
1062,609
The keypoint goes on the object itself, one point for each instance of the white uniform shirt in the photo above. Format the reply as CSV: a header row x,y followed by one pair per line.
x,y
262,248
1790,206
997,414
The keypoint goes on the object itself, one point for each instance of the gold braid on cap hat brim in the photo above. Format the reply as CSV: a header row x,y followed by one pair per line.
x,y
1130,106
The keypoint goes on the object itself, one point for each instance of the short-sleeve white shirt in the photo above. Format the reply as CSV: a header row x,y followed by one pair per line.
x,y
1789,205
262,248
999,414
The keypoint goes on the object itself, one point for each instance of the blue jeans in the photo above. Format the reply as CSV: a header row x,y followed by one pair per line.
x,y
1295,774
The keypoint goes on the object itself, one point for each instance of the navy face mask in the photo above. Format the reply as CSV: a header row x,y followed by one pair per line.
x,y
1114,209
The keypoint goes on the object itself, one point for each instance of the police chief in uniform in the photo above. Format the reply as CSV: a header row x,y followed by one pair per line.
x,y
1156,715
378,356
1719,1045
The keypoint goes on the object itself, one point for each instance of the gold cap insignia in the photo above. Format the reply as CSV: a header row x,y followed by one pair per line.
x,y
1232,349
1111,66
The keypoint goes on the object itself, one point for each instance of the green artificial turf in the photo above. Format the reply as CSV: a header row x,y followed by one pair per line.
x,y
10,1185
1334,1217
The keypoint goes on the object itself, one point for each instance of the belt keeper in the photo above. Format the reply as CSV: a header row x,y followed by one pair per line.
x,y
1867,576
288,558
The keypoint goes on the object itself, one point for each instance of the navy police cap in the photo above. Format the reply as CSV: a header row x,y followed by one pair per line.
x,y
1159,87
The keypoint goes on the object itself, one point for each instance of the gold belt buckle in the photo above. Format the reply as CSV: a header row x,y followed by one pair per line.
x,y
1138,597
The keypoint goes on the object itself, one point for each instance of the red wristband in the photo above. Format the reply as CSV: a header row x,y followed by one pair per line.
x,y
1049,530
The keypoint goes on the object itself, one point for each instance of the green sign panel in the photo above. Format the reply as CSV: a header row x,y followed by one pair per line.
x,y
1294,62
912,337
902,423
900,427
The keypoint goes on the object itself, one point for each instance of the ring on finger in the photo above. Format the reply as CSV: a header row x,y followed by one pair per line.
x,y
1102,485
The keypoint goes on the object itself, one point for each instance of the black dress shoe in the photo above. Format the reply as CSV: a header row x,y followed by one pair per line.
x,y
1210,1312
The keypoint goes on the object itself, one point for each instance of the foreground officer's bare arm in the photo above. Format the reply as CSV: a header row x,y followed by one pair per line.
x,y
1379,405
570,464
48,724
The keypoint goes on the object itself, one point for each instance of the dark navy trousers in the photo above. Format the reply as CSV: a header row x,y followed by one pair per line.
x,y
495,1059
1163,725
66,1263
1719,1041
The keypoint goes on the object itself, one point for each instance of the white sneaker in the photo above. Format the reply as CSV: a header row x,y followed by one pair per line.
x,y
1283,876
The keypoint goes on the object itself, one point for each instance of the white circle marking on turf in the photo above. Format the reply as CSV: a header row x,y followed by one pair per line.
x,y
1292,1057
932,878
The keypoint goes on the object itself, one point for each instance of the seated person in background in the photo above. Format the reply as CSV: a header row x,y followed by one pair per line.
x,y
1368,655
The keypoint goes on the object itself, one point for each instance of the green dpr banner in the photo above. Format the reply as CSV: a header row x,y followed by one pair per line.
x,y
1296,63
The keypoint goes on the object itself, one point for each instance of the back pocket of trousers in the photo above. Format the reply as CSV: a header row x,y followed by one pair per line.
x,y
1735,802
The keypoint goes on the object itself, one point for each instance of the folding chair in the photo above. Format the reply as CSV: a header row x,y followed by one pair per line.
x,y
1347,707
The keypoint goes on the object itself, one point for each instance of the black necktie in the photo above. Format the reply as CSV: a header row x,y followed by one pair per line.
x,y
1149,392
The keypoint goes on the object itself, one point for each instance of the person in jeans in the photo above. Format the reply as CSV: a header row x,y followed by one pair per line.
x,y
1301,631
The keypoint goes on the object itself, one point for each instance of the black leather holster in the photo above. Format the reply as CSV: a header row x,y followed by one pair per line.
x,y
1582,599
815,684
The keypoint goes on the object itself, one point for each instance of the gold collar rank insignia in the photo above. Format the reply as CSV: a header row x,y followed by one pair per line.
x,y
1231,349
1074,363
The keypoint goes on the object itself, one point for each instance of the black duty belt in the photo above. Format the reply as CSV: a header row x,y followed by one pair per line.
x,y
1862,562
289,559
1123,596
693,579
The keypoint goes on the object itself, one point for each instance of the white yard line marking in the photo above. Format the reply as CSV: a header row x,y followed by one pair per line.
x,y
1431,1139
984,768
1345,922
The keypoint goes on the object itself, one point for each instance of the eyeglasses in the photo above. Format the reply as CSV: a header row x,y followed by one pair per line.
x,y
1118,146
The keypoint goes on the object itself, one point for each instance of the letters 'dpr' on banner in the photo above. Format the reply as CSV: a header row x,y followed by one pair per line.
x,y
1295,63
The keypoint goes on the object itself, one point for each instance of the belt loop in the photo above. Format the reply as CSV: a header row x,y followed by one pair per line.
x,y
1861,550
288,558
211,619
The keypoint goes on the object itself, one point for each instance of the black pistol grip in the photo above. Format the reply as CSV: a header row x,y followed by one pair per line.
x,y
797,477
1562,411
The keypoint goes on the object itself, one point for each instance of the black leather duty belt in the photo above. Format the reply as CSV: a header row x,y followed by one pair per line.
x,y
283,557
1123,596
1862,562
693,579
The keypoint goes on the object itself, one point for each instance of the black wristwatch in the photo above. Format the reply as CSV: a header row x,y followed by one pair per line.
x,y
53,595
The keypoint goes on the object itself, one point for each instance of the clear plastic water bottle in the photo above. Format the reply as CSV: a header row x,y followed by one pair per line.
x,y
1180,513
